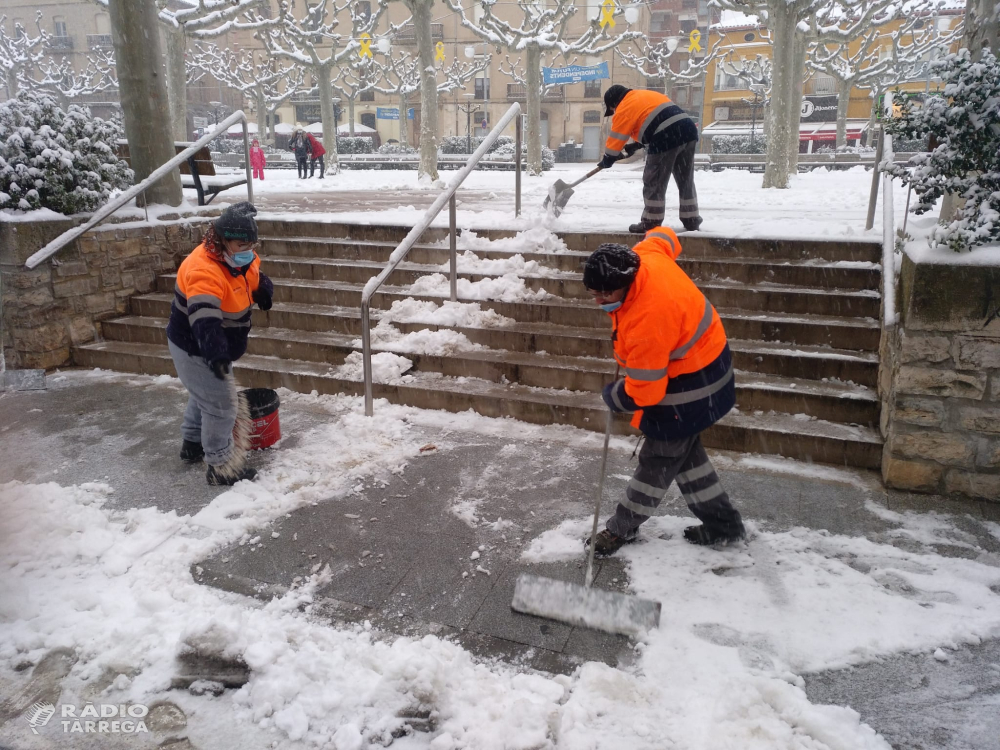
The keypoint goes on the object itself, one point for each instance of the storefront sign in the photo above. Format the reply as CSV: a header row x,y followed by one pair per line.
x,y
819,109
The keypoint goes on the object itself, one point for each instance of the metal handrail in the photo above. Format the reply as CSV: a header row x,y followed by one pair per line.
x,y
888,233
158,174
399,254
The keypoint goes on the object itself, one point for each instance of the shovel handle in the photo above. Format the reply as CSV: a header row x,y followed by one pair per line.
x,y
587,176
589,580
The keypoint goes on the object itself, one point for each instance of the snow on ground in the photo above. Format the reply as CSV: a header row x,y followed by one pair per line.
x,y
818,204
738,624
507,288
448,313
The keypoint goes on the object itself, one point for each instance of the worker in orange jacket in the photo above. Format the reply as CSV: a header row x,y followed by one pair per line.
x,y
217,286
671,345
669,136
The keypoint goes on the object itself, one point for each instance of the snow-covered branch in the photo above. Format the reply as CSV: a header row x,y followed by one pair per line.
x,y
19,52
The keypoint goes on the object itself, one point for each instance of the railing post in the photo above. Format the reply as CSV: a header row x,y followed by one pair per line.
x,y
246,156
873,195
888,233
453,244
366,350
518,128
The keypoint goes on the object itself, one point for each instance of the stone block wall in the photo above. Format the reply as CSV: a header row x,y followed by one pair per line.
x,y
61,303
940,382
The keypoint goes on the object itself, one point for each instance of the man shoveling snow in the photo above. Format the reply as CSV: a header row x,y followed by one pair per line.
x,y
678,382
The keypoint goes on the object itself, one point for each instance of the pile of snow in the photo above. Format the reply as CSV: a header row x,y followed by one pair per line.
x,y
386,367
538,239
506,288
469,262
448,313
442,342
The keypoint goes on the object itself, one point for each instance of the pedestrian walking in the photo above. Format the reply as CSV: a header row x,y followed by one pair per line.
x,y
317,155
216,288
302,148
257,160
679,380
670,137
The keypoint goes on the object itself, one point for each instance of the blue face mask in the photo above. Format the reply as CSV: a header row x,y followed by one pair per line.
x,y
611,306
238,260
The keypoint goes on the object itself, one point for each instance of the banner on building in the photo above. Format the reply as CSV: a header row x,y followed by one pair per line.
x,y
819,108
391,113
575,74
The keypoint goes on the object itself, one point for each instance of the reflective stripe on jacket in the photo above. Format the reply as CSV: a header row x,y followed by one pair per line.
x,y
651,119
210,313
671,345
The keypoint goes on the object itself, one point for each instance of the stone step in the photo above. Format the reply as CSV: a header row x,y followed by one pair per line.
x,y
697,244
781,434
805,273
728,295
835,402
341,314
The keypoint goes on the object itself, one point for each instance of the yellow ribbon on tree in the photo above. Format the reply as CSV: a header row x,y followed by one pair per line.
x,y
607,13
366,46
693,40
439,55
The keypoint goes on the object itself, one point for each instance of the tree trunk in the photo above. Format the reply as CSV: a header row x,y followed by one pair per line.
x,y
421,10
403,121
262,117
176,41
782,25
533,76
143,93
350,114
322,74
981,27
843,100
795,105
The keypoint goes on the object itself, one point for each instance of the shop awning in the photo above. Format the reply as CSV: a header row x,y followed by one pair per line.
x,y
808,131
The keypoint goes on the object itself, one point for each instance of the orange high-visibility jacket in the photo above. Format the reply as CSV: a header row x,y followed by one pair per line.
x,y
671,344
651,119
210,314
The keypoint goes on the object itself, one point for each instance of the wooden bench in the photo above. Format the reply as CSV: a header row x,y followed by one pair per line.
x,y
197,173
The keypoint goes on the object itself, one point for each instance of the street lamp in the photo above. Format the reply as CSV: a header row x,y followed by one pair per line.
x,y
336,123
215,108
468,109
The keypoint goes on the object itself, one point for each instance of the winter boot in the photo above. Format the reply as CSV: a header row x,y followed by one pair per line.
x,y
220,476
192,452
642,227
607,543
691,225
704,536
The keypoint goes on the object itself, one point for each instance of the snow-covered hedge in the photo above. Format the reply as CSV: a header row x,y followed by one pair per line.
x,y
396,148
347,144
739,144
964,122
63,161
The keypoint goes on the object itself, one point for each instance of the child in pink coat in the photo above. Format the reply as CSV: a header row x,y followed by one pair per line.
x,y
257,160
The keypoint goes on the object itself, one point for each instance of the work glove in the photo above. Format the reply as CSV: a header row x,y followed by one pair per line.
x,y
631,148
263,299
607,161
611,390
220,368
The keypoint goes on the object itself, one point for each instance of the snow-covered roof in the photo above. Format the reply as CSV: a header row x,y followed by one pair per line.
x,y
734,19
237,129
284,127
316,128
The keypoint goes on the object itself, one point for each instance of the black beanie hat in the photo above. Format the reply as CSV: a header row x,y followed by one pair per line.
x,y
237,223
610,267
613,97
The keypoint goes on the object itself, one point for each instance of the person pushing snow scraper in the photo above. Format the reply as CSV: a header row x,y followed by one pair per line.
x,y
669,136
217,286
679,381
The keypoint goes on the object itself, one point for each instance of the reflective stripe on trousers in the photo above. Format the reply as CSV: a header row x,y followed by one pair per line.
x,y
660,463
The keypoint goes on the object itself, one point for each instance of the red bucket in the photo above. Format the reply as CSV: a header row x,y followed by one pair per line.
x,y
266,429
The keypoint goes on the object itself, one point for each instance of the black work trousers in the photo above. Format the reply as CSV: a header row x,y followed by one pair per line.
x,y
678,162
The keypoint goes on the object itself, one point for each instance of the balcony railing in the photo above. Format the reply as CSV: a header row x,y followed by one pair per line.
x,y
60,42
97,41
408,34
518,92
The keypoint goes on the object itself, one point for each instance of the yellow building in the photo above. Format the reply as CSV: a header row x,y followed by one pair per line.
x,y
731,108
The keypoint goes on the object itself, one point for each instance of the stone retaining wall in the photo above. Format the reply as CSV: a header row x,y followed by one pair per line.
x,y
940,382
61,303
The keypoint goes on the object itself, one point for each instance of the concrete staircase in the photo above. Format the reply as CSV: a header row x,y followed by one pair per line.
x,y
801,316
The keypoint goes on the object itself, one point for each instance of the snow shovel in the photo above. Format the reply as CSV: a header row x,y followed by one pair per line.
x,y
583,605
560,192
